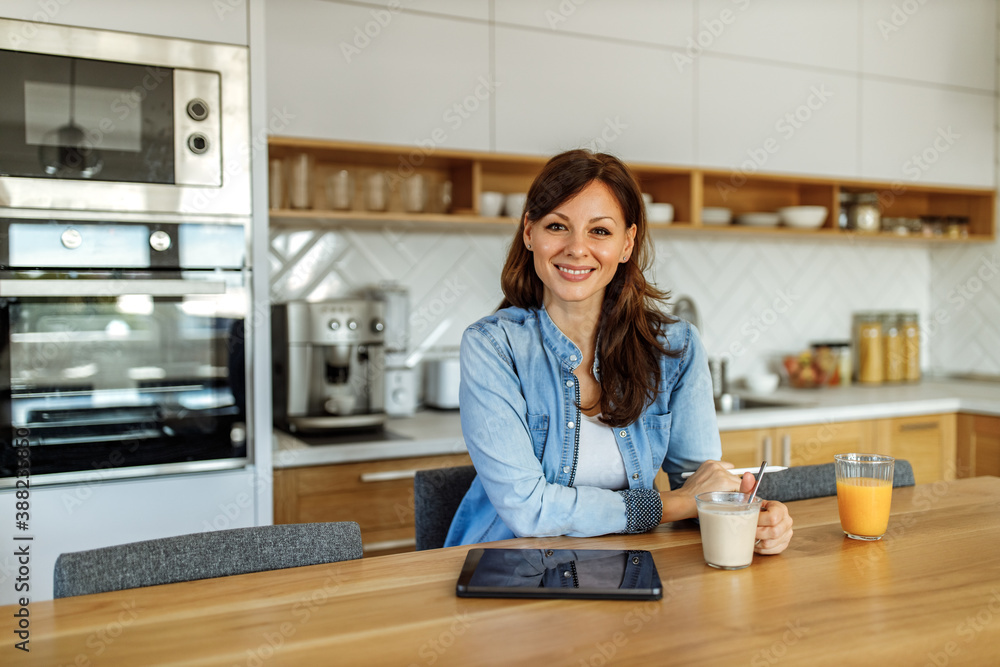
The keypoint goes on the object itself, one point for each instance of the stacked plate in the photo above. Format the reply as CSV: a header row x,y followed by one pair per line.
x,y
716,215
759,219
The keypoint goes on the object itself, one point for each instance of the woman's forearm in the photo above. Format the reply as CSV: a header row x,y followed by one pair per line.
x,y
677,505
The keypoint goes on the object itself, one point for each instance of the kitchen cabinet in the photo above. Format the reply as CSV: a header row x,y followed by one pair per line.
x,y
530,116
376,494
978,446
380,71
471,173
926,441
796,445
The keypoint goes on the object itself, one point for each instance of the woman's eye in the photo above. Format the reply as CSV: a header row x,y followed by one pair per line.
x,y
601,231
555,226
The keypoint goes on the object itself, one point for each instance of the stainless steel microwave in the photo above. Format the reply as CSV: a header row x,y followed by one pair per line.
x,y
94,120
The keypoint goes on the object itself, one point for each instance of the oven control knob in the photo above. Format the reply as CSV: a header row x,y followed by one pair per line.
x,y
71,239
377,326
197,109
352,325
334,325
159,240
198,143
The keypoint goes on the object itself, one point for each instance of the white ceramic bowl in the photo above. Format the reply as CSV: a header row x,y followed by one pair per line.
x,y
759,219
763,383
647,198
805,217
716,215
513,204
490,204
660,213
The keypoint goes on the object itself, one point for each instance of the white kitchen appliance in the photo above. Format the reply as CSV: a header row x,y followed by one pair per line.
x,y
400,377
442,381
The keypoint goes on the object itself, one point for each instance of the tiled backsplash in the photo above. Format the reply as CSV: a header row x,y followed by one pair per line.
x,y
756,297
964,329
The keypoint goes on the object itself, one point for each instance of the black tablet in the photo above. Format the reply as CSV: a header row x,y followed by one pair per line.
x,y
596,574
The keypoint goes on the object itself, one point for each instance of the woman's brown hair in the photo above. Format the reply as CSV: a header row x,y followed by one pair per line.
x,y
628,350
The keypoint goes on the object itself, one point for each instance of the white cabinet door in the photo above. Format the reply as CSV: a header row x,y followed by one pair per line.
x,y
819,34
222,21
951,43
370,73
654,21
557,92
90,516
923,134
768,118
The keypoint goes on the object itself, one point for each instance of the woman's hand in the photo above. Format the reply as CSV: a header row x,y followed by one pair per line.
x,y
710,476
774,524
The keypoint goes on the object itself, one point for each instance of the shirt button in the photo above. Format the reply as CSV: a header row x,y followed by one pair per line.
x,y
566,469
623,433
570,425
635,475
569,383
572,357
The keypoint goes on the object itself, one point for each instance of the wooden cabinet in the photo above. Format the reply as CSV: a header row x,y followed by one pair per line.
x,y
796,445
978,446
746,449
377,494
470,173
926,441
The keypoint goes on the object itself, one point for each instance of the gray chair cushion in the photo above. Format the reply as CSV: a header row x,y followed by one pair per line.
x,y
437,494
816,481
204,556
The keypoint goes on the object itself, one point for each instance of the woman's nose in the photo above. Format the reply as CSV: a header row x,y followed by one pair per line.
x,y
576,245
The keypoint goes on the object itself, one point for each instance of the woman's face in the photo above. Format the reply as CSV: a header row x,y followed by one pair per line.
x,y
578,246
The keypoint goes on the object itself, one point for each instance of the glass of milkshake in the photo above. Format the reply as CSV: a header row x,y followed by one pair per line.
x,y
728,528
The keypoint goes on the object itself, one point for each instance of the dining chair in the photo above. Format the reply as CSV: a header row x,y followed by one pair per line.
x,y
816,481
204,556
437,493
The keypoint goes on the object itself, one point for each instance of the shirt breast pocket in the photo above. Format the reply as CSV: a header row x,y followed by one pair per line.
x,y
656,428
538,428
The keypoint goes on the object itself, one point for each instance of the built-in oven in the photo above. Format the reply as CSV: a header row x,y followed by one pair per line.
x,y
94,120
122,348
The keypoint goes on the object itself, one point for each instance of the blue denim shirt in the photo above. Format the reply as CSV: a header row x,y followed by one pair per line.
x,y
518,400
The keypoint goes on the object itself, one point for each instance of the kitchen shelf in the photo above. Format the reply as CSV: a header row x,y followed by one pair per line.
x,y
688,189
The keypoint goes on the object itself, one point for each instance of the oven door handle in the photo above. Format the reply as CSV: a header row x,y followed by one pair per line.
x,y
108,287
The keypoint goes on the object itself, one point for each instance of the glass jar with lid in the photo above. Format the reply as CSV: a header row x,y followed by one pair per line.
x,y
894,357
909,324
863,215
869,347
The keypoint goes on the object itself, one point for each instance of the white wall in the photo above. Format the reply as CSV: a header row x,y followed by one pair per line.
x,y
848,89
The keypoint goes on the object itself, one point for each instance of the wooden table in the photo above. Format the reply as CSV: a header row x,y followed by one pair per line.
x,y
927,593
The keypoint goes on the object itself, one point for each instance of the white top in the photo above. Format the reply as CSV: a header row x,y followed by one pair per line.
x,y
599,462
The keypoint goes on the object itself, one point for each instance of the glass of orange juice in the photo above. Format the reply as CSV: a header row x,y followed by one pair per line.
x,y
864,494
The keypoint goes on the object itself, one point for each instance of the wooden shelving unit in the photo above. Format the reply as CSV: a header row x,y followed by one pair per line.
x,y
687,189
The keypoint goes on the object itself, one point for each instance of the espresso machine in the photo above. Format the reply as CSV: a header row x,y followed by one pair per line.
x,y
328,365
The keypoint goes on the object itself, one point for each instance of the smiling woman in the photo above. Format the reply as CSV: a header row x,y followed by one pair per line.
x,y
580,388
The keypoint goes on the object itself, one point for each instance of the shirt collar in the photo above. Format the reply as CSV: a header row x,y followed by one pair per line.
x,y
561,345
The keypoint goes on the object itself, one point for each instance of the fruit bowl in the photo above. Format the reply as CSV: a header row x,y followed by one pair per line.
x,y
810,369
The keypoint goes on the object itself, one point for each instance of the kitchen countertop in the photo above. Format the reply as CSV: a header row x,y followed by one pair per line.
x,y
436,432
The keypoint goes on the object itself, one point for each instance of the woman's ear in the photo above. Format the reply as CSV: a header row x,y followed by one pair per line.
x,y
629,241
526,235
